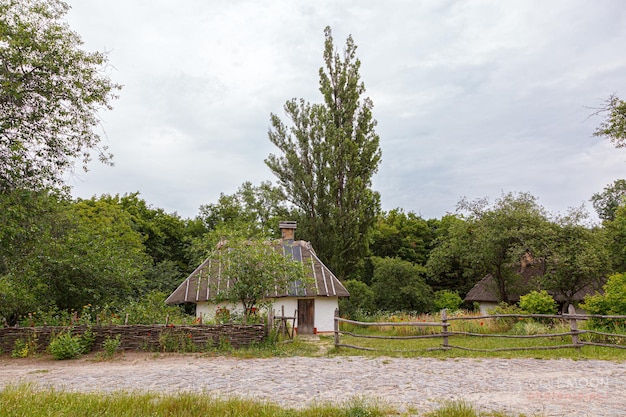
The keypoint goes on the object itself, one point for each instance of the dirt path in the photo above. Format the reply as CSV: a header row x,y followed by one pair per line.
x,y
544,387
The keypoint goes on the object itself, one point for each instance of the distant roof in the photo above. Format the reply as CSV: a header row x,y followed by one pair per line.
x,y
486,290
207,280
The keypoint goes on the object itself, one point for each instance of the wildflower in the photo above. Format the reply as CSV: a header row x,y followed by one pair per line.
x,y
481,323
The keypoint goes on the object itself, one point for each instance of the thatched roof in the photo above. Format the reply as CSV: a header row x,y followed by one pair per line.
x,y
529,274
207,281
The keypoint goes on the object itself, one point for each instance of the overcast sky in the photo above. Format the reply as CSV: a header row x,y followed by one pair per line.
x,y
472,98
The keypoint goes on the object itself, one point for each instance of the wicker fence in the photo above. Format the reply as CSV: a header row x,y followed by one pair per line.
x,y
446,335
143,337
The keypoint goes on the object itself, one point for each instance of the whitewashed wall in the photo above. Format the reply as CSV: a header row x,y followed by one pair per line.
x,y
324,310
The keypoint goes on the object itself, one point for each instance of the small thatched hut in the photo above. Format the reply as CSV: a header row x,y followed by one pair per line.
x,y
315,304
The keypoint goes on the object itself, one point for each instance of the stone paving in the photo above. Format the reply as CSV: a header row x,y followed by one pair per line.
x,y
533,387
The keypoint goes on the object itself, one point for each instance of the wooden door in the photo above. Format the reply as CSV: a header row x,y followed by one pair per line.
x,y
306,315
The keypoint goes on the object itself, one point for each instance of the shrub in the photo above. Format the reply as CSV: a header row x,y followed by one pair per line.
x,y
110,346
538,302
170,341
25,347
361,298
87,339
65,346
450,300
612,302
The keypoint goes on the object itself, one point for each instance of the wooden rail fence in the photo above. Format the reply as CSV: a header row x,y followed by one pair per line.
x,y
445,334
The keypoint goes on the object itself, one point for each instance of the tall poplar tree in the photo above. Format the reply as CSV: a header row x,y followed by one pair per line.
x,y
328,155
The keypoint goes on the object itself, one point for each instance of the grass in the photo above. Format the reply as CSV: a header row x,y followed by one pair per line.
x,y
24,400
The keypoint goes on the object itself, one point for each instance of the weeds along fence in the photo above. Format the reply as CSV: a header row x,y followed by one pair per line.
x,y
446,334
142,337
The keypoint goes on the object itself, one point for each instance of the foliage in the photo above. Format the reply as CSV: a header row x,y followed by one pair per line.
x,y
97,257
613,126
447,299
65,346
25,347
497,237
538,302
450,264
403,235
607,202
329,154
149,309
400,285
616,237
577,257
253,210
506,323
50,94
361,298
255,269
613,301
87,340
176,342
110,346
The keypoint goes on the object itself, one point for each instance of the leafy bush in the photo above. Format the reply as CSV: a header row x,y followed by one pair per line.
x,y
450,300
538,302
87,339
110,346
25,347
361,298
65,346
612,302
170,341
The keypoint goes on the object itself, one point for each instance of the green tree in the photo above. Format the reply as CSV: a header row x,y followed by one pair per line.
x,y
50,93
26,220
253,210
361,298
613,126
616,234
255,269
166,238
329,154
607,202
494,238
400,285
403,235
450,265
93,255
578,256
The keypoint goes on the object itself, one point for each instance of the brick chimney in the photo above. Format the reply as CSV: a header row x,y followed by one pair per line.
x,y
287,229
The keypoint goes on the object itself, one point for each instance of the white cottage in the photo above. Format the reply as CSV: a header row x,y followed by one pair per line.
x,y
315,304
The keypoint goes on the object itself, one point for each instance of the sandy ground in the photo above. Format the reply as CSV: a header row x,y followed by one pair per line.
x,y
533,387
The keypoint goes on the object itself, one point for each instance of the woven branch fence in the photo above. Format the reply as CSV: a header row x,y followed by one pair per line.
x,y
445,334
143,337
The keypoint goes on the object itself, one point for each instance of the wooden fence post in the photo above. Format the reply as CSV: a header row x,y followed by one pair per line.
x,y
444,327
336,327
573,325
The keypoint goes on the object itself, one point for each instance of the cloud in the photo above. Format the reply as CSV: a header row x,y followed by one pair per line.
x,y
471,98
